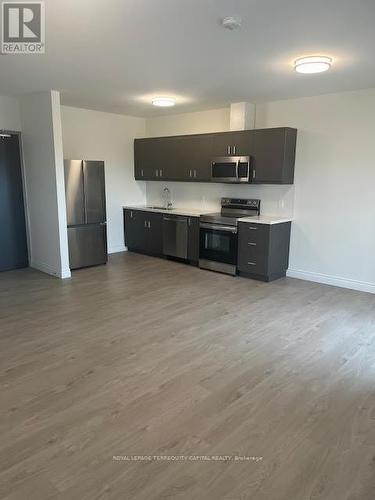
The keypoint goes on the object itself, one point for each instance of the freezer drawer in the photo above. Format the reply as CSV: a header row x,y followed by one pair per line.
x,y
87,245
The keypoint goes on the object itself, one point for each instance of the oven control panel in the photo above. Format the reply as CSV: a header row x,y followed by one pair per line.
x,y
240,203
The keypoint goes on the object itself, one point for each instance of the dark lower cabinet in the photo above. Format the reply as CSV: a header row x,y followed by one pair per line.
x,y
143,231
263,250
154,233
134,229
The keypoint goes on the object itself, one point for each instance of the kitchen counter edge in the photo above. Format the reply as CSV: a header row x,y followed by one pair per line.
x,y
189,212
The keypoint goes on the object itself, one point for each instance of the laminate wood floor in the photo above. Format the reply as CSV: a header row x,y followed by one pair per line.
x,y
152,358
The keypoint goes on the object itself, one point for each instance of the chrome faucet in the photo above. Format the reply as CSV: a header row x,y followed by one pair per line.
x,y
167,198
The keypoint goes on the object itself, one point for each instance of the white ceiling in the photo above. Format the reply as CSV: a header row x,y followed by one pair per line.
x,y
114,55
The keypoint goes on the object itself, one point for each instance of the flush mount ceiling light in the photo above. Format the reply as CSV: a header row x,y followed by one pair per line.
x,y
312,64
164,102
231,22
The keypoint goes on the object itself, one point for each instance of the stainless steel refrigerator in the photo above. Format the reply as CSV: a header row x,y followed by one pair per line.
x,y
86,212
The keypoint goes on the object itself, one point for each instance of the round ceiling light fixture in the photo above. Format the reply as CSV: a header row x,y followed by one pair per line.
x,y
164,102
231,22
312,64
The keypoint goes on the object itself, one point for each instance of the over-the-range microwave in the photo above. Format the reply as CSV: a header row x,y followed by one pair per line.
x,y
233,169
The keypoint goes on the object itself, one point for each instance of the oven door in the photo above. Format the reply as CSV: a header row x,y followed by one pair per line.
x,y
218,247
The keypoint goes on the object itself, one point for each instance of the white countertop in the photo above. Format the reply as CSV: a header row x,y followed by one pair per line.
x,y
266,219
192,212
188,212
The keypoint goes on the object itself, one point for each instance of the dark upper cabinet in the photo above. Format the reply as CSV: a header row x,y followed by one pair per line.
x,y
237,143
273,155
177,158
154,158
198,153
189,157
144,153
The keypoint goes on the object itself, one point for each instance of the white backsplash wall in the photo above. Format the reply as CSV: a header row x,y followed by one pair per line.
x,y
276,200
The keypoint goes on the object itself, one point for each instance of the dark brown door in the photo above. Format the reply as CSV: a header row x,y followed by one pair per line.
x,y
13,243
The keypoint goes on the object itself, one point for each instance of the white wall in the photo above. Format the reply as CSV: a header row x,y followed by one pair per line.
x,y
333,201
94,135
44,182
10,118
333,237
199,122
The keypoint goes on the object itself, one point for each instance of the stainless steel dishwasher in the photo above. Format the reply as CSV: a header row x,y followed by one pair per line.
x,y
175,236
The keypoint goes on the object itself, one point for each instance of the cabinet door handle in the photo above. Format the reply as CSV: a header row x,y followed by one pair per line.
x,y
145,223
190,173
131,214
160,173
234,150
252,263
157,173
253,228
195,173
254,173
149,224
252,244
141,172
189,222
228,150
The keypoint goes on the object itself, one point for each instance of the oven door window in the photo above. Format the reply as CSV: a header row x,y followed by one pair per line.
x,y
217,245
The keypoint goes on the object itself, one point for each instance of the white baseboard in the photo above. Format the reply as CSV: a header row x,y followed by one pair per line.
x,y
362,286
47,269
65,274
117,249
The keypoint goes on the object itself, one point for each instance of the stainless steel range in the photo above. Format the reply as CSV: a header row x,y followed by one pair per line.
x,y
218,234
